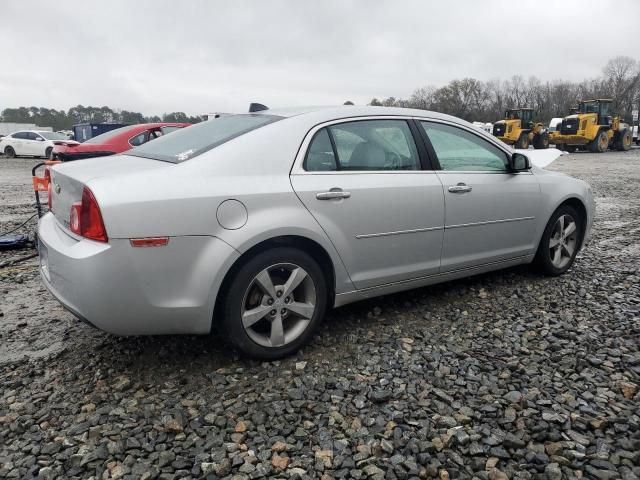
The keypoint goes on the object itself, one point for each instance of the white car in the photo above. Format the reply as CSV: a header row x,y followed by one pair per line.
x,y
29,143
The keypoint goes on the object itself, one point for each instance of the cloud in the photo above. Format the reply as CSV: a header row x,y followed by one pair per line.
x,y
200,56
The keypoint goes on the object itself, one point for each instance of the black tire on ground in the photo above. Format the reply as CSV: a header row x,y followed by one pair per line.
x,y
47,153
600,144
237,292
541,141
523,141
542,260
9,152
624,140
570,148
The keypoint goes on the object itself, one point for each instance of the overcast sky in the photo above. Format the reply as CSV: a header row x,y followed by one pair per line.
x,y
201,56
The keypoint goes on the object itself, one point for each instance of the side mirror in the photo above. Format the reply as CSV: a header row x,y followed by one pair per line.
x,y
519,162
40,139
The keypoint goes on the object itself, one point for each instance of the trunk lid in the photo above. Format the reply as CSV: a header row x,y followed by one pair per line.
x,y
69,179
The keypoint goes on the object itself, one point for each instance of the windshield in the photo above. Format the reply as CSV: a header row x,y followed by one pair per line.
x,y
591,107
105,137
192,141
53,135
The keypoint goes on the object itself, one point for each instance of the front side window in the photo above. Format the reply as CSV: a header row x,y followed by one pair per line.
x,y
32,136
458,149
364,145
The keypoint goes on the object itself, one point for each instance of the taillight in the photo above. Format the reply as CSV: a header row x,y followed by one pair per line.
x,y
85,218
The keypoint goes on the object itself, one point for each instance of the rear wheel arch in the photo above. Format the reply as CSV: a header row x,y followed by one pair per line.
x,y
304,244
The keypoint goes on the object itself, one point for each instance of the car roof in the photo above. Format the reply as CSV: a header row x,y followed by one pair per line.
x,y
329,113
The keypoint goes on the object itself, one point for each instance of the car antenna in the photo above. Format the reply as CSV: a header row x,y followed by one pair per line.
x,y
257,107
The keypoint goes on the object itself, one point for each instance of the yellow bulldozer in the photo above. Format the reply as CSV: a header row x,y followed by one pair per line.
x,y
519,129
593,128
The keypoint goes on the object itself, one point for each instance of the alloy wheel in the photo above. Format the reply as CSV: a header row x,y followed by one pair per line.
x,y
278,305
563,241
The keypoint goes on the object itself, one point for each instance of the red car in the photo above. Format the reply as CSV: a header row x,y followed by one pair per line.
x,y
109,143
112,142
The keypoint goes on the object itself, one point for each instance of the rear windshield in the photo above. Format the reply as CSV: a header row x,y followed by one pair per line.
x,y
191,141
105,137
53,135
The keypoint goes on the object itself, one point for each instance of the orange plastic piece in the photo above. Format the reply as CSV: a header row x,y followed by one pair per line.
x,y
52,162
40,184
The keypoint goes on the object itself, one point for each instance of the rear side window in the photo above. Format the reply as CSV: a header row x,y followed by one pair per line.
x,y
139,139
320,156
192,141
458,149
20,135
363,146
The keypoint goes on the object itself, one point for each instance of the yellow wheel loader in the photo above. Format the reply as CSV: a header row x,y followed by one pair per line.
x,y
519,129
593,128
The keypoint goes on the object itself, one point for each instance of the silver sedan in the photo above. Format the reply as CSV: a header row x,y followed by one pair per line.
x,y
255,224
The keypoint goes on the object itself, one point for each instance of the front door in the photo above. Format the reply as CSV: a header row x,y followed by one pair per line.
x,y
490,212
363,183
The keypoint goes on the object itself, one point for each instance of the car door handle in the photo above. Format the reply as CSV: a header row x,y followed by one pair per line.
x,y
332,195
460,188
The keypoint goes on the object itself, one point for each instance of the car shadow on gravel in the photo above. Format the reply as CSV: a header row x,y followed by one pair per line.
x,y
164,358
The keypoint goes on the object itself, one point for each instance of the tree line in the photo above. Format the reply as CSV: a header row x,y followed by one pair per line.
x,y
475,100
467,98
64,120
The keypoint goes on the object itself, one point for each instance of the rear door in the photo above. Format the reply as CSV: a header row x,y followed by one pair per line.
x,y
490,211
37,144
365,184
18,141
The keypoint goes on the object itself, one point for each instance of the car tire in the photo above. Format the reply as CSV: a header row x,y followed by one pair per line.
x,y
258,315
541,141
47,153
9,152
560,242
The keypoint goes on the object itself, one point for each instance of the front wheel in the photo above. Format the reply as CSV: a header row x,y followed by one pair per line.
x,y
560,241
47,153
274,303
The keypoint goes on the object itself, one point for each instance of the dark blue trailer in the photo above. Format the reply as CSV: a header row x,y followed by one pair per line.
x,y
84,131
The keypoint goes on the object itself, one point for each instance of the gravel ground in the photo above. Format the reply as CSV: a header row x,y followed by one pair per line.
x,y
506,375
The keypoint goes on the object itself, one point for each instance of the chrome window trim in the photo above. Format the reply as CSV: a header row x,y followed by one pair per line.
x,y
297,168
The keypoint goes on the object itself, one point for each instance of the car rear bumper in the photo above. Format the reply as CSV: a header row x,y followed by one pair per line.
x,y
128,290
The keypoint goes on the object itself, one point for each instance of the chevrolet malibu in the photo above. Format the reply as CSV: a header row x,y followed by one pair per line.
x,y
255,224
